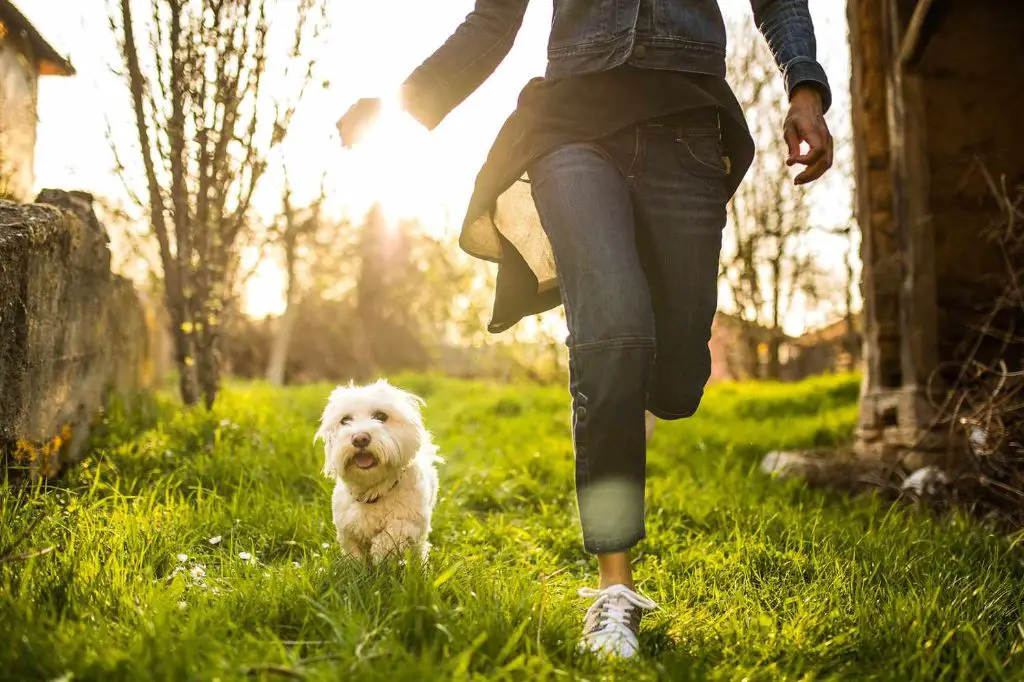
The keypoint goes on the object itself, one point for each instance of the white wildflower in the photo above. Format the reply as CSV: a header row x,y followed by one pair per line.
x,y
324,545
215,540
183,558
245,556
296,564
198,572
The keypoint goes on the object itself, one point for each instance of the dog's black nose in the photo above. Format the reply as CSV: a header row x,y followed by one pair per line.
x,y
361,440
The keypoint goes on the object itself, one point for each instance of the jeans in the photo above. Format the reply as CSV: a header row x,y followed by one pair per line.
x,y
635,223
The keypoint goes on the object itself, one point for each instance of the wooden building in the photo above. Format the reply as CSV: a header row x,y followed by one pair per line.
x,y
938,101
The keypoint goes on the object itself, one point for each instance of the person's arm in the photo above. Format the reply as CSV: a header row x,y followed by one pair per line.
x,y
787,26
449,75
464,62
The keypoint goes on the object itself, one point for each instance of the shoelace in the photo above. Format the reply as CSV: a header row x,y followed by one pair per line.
x,y
616,604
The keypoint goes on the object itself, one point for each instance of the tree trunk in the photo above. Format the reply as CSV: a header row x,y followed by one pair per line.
x,y
774,369
279,348
750,361
278,361
184,352
208,350
209,365
211,287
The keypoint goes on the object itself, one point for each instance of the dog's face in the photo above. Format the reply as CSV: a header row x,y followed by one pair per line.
x,y
370,432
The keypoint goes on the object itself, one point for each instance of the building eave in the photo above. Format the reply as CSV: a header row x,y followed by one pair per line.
x,y
50,62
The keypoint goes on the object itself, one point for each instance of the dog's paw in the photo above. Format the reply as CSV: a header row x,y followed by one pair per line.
x,y
386,546
396,545
350,547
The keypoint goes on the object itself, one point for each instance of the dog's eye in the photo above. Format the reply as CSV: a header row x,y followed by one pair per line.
x,y
346,420
380,416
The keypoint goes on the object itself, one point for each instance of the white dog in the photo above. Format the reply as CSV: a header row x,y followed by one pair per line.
x,y
382,457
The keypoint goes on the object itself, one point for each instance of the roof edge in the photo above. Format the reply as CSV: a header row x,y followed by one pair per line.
x,y
51,62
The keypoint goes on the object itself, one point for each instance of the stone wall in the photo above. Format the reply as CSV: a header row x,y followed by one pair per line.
x,y
70,330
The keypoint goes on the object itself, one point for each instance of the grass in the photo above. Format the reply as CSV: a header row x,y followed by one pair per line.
x,y
757,579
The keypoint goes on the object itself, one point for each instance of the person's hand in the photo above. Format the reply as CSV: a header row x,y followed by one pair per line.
x,y
806,123
358,119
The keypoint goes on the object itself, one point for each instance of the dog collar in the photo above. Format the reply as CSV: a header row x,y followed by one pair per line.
x,y
376,498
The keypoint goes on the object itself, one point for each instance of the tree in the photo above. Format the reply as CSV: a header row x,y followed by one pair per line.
x,y
361,299
296,232
206,123
847,234
405,293
767,264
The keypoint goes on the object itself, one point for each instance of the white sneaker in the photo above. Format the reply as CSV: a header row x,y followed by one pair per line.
x,y
650,421
613,621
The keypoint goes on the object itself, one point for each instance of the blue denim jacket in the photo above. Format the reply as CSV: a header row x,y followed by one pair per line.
x,y
595,35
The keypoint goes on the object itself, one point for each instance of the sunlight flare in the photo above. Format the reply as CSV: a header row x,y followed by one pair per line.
x,y
388,166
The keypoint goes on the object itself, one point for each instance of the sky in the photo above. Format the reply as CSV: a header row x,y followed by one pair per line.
x,y
413,173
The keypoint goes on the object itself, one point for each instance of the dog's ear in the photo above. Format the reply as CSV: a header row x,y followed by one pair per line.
x,y
324,434
321,434
416,402
329,416
329,471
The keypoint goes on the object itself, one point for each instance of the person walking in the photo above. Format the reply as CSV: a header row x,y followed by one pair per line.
x,y
605,191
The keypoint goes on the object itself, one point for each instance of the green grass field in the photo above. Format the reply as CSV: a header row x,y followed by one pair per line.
x,y
757,579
